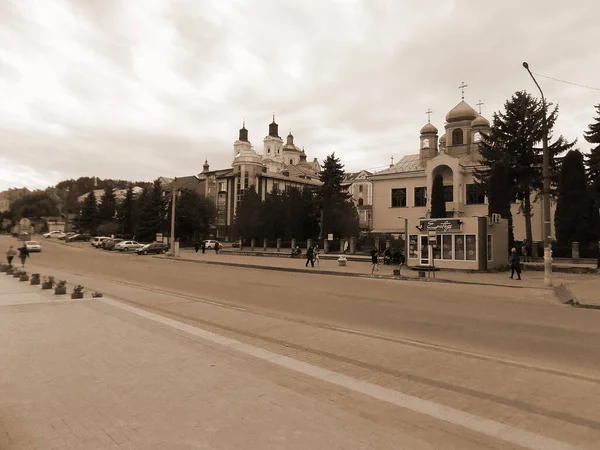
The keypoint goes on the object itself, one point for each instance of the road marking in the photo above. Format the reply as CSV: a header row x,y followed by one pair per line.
x,y
481,425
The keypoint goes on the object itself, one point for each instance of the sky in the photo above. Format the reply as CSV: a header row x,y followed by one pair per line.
x,y
139,89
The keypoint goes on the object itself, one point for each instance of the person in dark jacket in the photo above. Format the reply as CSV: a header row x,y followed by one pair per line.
x,y
23,254
515,264
310,253
374,254
203,246
196,247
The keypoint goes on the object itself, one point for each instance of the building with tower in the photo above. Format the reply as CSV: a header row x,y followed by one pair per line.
x,y
402,200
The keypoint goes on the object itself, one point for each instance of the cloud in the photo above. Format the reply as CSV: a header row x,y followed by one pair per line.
x,y
138,90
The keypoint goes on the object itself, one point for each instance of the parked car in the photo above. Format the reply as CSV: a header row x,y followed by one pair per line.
x,y
33,246
156,247
78,237
67,235
126,246
110,243
54,234
98,240
210,244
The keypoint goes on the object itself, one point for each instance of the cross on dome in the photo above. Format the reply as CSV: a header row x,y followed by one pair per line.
x,y
462,89
479,104
428,112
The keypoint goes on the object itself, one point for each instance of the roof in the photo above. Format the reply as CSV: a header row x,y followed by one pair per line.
x,y
413,163
352,176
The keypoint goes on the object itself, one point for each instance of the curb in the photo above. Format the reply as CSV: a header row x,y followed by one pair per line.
x,y
339,274
566,297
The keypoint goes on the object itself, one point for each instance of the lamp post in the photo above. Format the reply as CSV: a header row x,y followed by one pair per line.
x,y
545,189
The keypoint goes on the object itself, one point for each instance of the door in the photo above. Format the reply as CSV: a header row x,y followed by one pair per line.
x,y
424,241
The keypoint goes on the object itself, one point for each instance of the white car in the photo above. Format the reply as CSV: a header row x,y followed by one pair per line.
x,y
33,246
98,240
54,234
126,246
210,244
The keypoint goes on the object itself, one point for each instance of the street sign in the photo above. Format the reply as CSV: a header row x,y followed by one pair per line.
x,y
432,238
159,237
330,237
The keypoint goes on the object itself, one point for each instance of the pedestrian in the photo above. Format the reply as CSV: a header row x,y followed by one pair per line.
x,y
203,246
515,264
374,254
316,255
10,254
23,254
310,253
196,247
217,247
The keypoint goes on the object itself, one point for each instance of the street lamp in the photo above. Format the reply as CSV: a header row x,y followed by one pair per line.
x,y
174,192
545,189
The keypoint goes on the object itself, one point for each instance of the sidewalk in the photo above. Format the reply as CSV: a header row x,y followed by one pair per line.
x,y
83,374
531,278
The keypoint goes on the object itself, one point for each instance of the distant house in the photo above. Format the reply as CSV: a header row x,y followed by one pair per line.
x,y
360,188
120,194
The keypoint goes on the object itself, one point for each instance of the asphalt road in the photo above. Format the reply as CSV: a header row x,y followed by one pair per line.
x,y
512,355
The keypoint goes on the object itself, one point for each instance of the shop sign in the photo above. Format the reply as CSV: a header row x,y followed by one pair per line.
x,y
441,225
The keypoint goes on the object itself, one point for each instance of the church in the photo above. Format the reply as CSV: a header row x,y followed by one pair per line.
x,y
278,166
401,193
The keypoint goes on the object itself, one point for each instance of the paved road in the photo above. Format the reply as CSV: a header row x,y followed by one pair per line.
x,y
513,356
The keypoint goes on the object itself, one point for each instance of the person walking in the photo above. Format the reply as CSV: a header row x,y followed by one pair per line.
x,y
203,246
515,264
316,255
310,253
374,254
217,247
196,247
23,254
10,254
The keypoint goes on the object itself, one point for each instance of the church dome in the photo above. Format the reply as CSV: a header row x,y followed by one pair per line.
x,y
443,139
247,156
429,129
462,111
480,121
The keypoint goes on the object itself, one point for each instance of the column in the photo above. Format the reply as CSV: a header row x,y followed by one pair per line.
x,y
252,244
575,252
278,244
265,242
352,245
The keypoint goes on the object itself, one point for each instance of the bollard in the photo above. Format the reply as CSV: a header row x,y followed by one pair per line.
x,y
240,241
252,244
265,242
534,251
575,252
278,244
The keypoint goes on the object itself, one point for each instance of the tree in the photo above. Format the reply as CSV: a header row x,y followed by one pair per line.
x,y
438,200
515,138
34,206
574,219
88,219
152,207
334,213
194,216
247,222
126,212
108,206
500,194
592,135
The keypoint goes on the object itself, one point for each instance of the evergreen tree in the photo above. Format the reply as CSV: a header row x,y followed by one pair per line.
x,y
88,219
127,213
108,206
438,200
151,219
334,212
574,218
499,193
592,135
247,222
194,216
515,138
34,206
273,215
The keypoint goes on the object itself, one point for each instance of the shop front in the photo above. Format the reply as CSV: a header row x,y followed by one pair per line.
x,y
469,243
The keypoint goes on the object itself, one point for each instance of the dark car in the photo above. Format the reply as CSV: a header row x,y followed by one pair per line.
x,y
109,244
156,247
79,237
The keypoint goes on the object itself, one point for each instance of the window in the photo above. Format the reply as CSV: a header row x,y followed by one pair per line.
x,y
489,247
268,150
425,143
449,193
360,202
222,186
420,196
459,247
413,246
360,188
471,247
291,161
457,137
475,194
446,246
399,198
437,248
275,185
477,137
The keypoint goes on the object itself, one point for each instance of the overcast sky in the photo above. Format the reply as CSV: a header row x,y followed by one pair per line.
x,y
138,89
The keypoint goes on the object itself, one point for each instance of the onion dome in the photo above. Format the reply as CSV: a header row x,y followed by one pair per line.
x,y
462,111
247,156
429,128
480,121
443,140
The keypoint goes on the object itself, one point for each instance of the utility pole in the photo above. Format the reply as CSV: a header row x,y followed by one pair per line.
x,y
545,190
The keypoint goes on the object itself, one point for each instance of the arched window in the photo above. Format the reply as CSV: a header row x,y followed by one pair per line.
x,y
360,202
425,143
268,150
477,137
457,137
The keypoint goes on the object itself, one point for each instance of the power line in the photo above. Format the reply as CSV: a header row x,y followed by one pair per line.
x,y
568,82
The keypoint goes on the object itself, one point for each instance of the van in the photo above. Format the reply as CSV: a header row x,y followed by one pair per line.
x,y
98,240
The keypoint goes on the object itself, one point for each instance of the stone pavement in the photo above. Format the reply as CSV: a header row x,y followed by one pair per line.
x,y
531,278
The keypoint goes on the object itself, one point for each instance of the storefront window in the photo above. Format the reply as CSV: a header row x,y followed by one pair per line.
x,y
413,246
459,247
446,246
437,249
471,247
